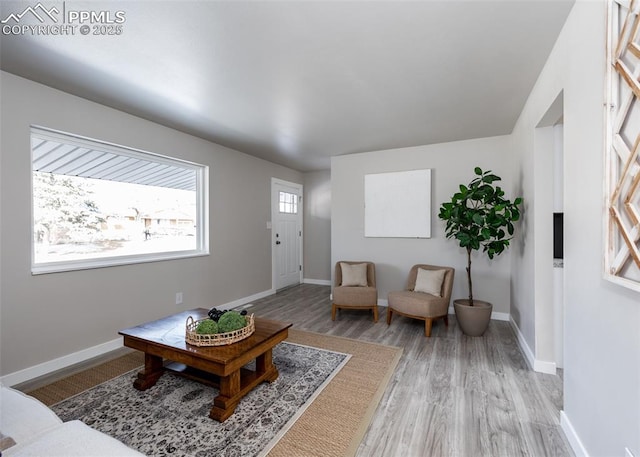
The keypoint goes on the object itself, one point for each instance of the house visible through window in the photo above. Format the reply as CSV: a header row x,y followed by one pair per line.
x,y
97,204
288,203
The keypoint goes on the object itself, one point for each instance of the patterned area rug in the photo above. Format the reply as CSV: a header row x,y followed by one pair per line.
x,y
172,417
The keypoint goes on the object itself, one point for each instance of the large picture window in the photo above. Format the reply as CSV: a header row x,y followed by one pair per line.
x,y
97,204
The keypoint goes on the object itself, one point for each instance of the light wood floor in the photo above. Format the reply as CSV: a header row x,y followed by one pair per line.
x,y
451,395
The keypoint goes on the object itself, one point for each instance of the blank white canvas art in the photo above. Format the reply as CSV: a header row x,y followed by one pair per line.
x,y
398,204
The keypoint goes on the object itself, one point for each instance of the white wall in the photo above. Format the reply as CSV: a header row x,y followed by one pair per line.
x,y
70,312
602,320
317,227
452,164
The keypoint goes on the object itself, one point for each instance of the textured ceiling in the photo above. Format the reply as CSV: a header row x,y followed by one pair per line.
x,y
298,82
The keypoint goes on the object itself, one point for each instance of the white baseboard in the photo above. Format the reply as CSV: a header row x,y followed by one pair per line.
x,y
526,350
573,438
100,349
71,359
500,316
61,362
319,282
541,366
495,316
245,300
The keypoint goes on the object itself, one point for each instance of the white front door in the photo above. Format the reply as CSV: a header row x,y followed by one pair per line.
x,y
286,211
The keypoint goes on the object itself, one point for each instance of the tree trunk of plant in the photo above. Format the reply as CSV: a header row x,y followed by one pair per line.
x,y
469,276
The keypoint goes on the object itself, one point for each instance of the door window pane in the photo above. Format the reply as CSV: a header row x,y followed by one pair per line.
x,y
288,203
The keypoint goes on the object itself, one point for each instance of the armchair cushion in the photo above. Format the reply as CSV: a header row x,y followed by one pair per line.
x,y
430,281
354,274
355,296
418,304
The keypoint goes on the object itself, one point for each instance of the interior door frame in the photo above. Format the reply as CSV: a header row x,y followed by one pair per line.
x,y
274,212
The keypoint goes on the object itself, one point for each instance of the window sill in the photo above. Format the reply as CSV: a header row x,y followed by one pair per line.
x,y
59,267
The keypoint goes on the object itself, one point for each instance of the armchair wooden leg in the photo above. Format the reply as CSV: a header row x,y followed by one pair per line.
x,y
389,312
333,311
427,326
375,314
446,320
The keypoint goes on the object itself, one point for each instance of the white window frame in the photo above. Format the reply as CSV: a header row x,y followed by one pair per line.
x,y
202,205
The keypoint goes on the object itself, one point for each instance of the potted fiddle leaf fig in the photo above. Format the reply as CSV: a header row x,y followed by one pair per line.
x,y
479,217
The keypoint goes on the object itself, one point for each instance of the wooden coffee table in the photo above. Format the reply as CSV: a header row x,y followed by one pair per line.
x,y
164,346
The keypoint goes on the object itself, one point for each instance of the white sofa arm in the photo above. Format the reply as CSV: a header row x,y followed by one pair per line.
x,y
22,417
72,439
38,431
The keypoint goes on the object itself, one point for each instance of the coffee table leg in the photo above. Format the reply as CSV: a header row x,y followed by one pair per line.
x,y
225,403
153,369
237,384
265,366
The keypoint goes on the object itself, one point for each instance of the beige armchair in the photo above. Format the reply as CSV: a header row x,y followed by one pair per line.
x,y
355,287
427,296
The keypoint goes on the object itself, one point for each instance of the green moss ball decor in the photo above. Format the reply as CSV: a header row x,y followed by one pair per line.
x,y
207,327
230,321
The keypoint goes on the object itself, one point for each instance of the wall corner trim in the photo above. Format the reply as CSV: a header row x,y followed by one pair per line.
x,y
572,436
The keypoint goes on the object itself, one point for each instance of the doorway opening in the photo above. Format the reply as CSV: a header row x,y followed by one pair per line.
x,y
549,218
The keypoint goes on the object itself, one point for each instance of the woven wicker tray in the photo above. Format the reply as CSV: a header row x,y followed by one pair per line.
x,y
217,339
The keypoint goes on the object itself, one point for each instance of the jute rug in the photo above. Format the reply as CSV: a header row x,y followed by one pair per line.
x,y
332,425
